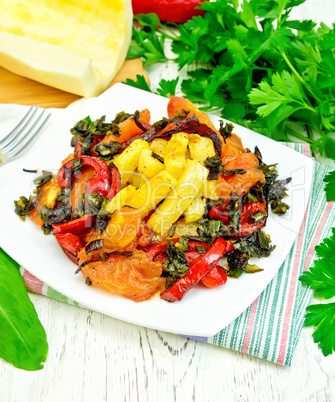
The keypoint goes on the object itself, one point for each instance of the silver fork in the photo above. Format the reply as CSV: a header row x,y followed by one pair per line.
x,y
22,136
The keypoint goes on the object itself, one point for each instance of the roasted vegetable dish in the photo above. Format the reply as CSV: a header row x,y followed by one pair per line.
x,y
144,208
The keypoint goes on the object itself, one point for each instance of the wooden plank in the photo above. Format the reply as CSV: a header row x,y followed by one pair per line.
x,y
23,91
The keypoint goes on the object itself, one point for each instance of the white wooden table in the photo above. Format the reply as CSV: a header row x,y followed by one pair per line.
x,y
97,358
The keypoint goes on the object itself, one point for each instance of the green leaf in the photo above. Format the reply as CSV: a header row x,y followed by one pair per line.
x,y
326,76
330,186
140,83
305,25
248,15
187,45
284,97
321,277
238,54
326,145
195,87
295,3
135,50
154,50
280,38
305,54
322,316
168,87
22,338
149,20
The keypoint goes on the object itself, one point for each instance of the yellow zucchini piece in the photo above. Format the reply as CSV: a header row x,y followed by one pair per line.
x,y
149,165
195,210
137,179
127,162
121,199
158,145
200,147
209,189
190,183
174,158
152,192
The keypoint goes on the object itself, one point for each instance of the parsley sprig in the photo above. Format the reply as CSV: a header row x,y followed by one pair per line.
x,y
321,278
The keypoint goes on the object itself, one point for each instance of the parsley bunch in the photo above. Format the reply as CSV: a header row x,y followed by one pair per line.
x,y
262,70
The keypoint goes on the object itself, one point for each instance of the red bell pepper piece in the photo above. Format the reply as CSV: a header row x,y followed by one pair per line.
x,y
229,247
215,277
177,11
196,272
71,245
116,181
161,258
100,181
76,226
250,207
78,150
194,246
157,249
246,227
192,256
217,213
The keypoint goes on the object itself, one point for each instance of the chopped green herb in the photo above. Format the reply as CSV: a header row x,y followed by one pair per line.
x,y
158,157
257,244
176,263
226,130
107,151
45,177
201,249
24,206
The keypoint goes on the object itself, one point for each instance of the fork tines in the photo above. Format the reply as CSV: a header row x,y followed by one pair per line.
x,y
15,142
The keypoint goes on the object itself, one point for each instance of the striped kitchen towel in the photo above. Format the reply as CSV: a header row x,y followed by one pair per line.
x,y
271,326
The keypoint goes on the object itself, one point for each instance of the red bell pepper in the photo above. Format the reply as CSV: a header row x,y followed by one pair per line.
x,y
177,11
76,226
192,256
71,245
99,182
215,277
218,214
247,227
196,272
116,181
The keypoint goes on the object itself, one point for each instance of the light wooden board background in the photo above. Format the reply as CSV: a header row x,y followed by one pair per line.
x,y
23,91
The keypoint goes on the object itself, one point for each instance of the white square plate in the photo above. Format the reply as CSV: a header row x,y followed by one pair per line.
x,y
202,312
